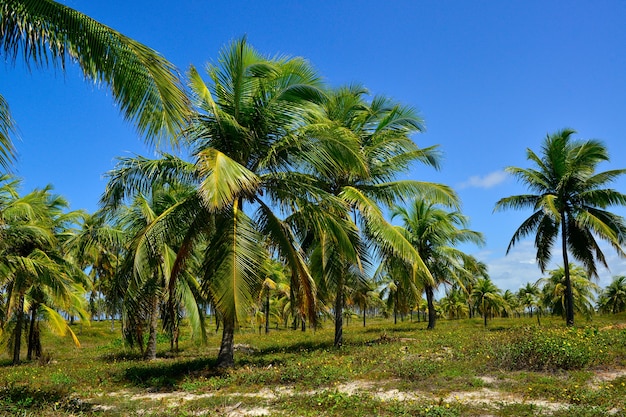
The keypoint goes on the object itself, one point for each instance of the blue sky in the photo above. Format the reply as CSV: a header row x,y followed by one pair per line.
x,y
490,78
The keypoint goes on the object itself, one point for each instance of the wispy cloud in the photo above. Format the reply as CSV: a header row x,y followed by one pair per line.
x,y
486,181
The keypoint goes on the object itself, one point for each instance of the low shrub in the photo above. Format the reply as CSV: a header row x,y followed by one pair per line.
x,y
536,349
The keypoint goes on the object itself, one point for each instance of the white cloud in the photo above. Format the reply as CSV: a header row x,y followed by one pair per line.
x,y
487,181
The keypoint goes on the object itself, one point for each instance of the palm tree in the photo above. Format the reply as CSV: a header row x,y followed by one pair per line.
x,y
434,231
488,297
372,143
529,298
35,273
96,247
553,291
570,198
613,298
242,143
454,304
144,84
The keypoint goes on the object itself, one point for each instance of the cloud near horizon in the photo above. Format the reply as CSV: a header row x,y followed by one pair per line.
x,y
487,181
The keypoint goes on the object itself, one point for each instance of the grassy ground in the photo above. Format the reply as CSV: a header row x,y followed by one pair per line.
x,y
511,368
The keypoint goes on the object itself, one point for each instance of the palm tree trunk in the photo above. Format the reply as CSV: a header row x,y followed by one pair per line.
x,y
432,314
31,334
485,313
19,323
569,295
395,306
267,312
151,349
226,357
339,314
363,316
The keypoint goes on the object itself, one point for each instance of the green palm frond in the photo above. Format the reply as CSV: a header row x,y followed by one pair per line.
x,y
138,175
224,180
7,130
143,83
233,261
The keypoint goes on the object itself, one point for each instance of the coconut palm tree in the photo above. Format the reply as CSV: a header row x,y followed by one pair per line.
x,y
488,297
613,297
434,231
571,200
143,83
554,290
372,141
96,246
528,297
454,304
35,273
243,147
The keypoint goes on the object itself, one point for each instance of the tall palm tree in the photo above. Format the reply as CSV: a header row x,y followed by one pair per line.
x,y
144,84
488,297
554,290
434,231
372,141
571,199
613,297
242,144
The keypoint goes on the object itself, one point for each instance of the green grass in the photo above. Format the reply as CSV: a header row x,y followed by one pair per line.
x,y
512,367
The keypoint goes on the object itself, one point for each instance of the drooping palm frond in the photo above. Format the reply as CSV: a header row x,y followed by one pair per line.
x,y
232,264
144,84
7,130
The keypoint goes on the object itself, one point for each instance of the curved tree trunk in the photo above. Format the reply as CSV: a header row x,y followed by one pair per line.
x,y
226,357
432,314
569,295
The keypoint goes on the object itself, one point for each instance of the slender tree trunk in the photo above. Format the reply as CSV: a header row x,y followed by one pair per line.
x,y
432,314
267,312
538,321
31,334
569,295
19,324
151,349
363,316
484,313
339,314
395,306
226,357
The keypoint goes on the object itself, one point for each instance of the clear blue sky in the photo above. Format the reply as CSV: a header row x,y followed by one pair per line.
x,y
491,78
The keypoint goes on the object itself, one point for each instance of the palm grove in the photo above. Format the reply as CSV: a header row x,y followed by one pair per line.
x,y
275,209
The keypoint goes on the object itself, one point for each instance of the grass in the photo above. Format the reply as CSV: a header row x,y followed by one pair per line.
x,y
512,367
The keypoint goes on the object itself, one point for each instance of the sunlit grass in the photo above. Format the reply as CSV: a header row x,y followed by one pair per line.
x,y
307,376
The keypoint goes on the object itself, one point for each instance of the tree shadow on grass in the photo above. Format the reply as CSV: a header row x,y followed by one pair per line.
x,y
306,346
167,375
